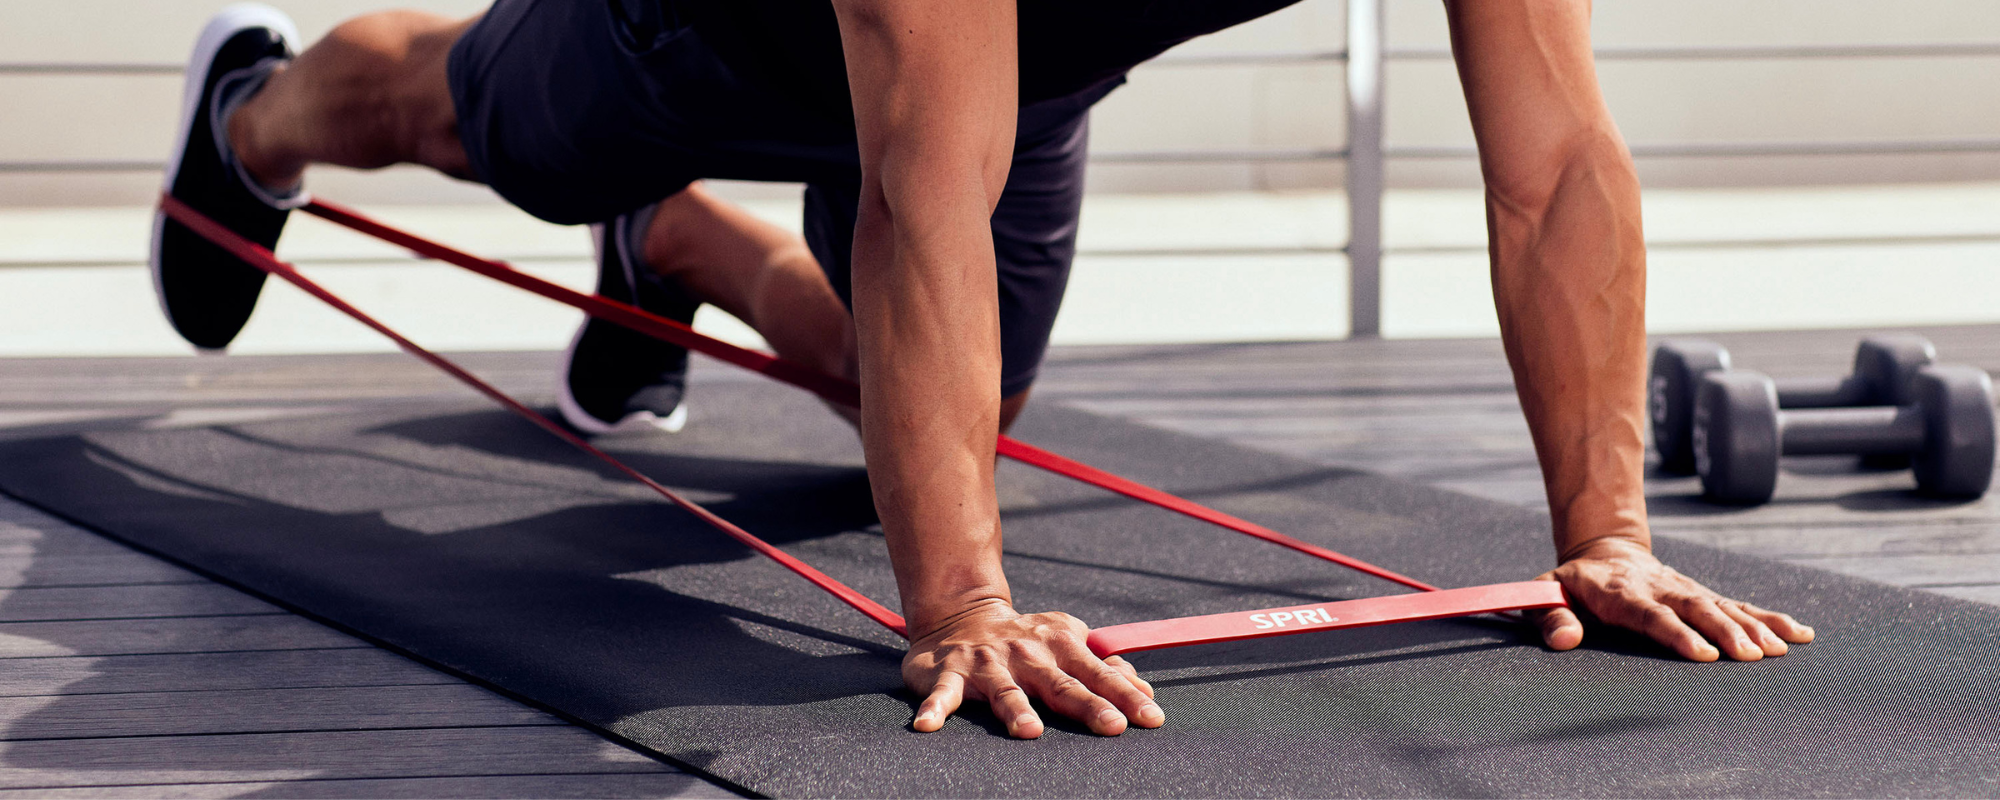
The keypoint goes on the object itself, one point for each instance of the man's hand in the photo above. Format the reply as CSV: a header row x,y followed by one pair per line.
x,y
1569,284
1622,584
1005,658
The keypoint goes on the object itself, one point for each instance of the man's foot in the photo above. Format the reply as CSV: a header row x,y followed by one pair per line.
x,y
616,380
207,293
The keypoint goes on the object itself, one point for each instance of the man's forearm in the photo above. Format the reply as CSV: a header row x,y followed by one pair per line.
x,y
930,411
1569,281
1569,263
933,86
1569,277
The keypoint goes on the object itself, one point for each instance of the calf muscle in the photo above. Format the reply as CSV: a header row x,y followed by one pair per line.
x,y
373,93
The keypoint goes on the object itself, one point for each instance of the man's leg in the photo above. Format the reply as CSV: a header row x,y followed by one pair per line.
x,y
763,275
1034,239
375,92
756,271
371,94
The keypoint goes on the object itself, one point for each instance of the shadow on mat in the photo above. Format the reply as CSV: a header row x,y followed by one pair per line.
x,y
548,590
1436,762
780,497
603,583
500,434
1107,500
1899,500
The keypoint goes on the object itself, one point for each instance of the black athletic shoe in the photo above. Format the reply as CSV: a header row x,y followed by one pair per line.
x,y
614,380
207,293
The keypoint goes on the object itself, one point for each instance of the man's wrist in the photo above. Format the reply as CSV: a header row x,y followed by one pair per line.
x,y
1600,522
927,617
1612,545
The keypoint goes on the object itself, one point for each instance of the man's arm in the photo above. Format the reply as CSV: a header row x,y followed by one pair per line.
x,y
1569,282
935,102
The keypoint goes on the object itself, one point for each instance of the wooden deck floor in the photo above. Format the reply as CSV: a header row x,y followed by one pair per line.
x,y
122,675
1444,412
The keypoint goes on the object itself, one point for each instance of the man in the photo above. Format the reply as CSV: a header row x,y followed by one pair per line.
x,y
942,143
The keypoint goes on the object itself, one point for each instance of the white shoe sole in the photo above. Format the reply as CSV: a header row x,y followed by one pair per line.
x,y
635,423
221,28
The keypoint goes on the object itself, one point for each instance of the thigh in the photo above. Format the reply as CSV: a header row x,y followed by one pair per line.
x,y
527,81
1034,233
577,112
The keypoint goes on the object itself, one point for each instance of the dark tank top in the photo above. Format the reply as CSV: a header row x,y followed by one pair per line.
x,y
1067,46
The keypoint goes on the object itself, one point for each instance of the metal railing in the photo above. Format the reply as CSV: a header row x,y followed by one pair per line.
x,y
1365,58
1367,37
1366,154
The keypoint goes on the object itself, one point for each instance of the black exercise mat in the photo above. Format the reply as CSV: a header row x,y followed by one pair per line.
x,y
466,537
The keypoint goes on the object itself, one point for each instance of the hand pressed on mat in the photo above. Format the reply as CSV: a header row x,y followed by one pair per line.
x,y
995,654
1620,583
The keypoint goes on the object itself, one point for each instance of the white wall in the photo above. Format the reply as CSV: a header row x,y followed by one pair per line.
x,y
1166,107
1299,106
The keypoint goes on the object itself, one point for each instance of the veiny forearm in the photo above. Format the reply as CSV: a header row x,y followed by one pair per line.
x,y
1569,281
930,407
934,93
1569,275
1569,263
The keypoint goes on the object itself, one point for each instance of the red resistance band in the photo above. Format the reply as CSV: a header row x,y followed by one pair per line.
x,y
833,389
1432,604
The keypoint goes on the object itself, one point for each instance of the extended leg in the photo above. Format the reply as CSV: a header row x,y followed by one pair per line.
x,y
371,94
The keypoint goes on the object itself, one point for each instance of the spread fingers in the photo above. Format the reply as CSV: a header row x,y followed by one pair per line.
x,y
1131,673
944,699
1010,704
1122,689
1761,634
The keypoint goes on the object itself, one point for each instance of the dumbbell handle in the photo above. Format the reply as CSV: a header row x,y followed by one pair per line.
x,y
1848,390
1868,430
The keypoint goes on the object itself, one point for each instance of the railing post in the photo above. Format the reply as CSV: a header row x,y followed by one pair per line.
x,y
1364,167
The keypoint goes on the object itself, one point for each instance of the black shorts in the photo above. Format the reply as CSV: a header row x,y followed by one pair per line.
x,y
568,117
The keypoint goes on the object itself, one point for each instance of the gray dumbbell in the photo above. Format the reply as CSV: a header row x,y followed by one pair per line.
x,y
1883,366
1739,433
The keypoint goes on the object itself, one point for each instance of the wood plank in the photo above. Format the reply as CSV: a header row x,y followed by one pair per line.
x,y
168,635
192,381
107,569
452,752
196,672
1916,570
67,383
123,602
1834,539
25,531
261,711
1819,490
1977,594
59,539
618,786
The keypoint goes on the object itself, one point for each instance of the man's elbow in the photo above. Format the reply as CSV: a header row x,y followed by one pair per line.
x,y
1529,180
914,183
860,15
